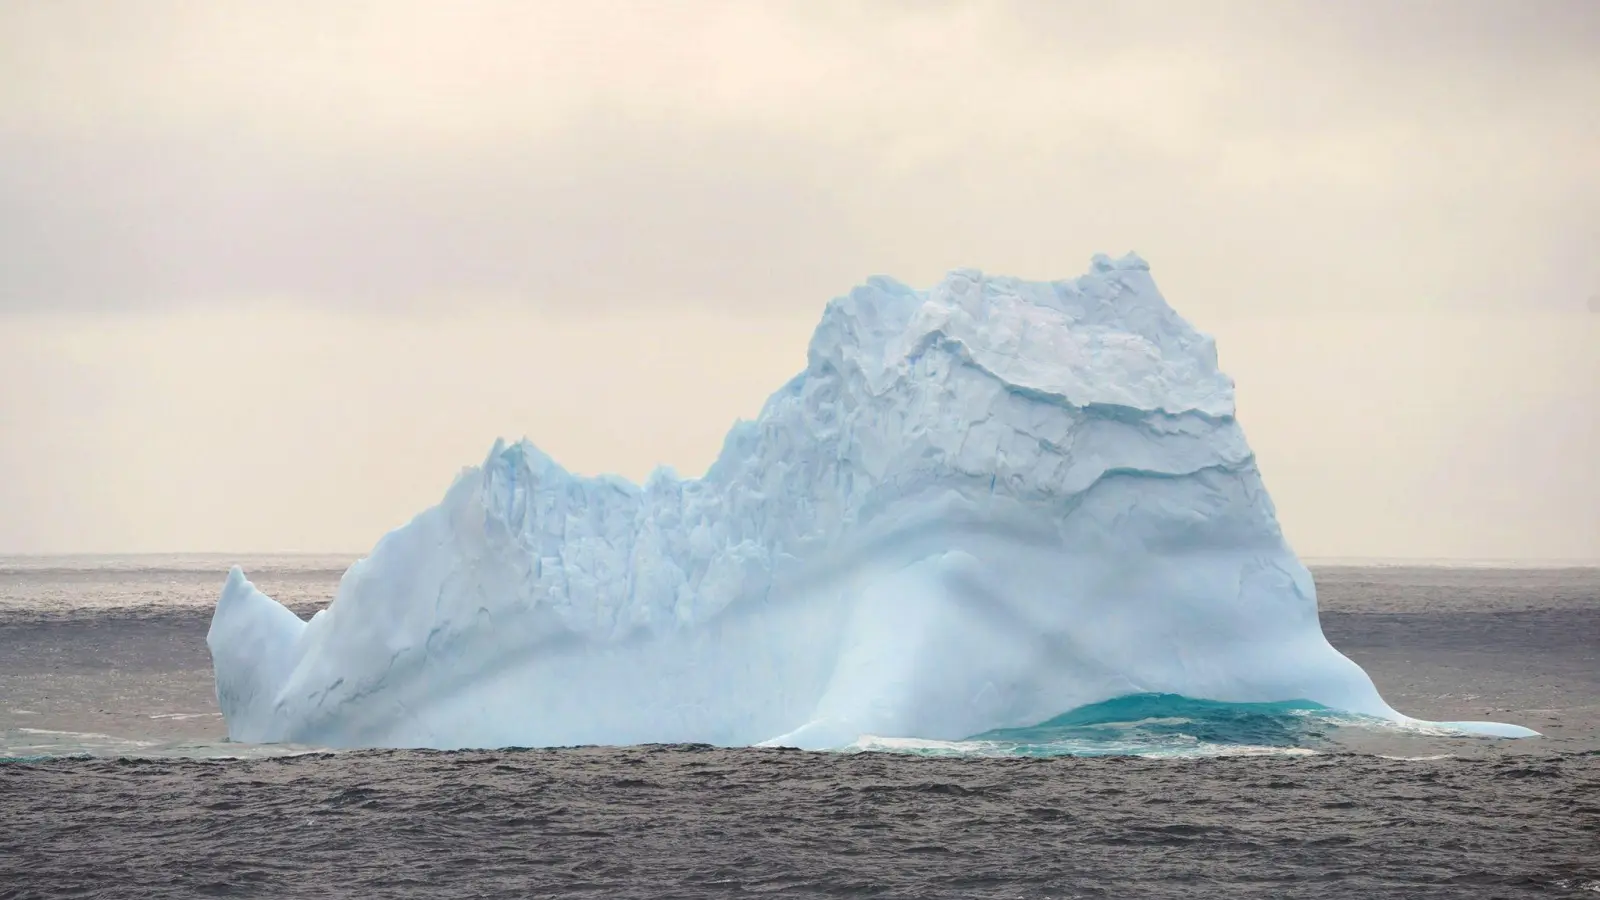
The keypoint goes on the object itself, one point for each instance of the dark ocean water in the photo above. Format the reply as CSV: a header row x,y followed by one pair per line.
x,y
696,822
117,785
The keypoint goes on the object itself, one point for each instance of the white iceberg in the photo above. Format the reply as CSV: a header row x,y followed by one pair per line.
x,y
979,506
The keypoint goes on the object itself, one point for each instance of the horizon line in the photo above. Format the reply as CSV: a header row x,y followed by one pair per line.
x,y
1353,561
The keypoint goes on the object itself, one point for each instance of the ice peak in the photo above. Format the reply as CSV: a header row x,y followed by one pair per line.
x,y
1129,262
1106,337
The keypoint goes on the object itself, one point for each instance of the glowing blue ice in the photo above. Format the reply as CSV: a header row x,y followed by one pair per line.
x,y
979,506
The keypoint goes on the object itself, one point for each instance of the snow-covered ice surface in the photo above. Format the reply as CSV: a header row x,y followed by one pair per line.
x,y
981,506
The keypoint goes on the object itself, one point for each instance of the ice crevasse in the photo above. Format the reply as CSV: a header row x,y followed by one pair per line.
x,y
979,506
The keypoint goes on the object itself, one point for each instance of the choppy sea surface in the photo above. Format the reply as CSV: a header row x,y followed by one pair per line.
x,y
117,779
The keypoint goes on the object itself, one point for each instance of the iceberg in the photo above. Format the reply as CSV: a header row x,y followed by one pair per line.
x,y
979,507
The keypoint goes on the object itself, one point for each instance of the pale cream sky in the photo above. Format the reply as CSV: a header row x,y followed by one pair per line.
x,y
270,274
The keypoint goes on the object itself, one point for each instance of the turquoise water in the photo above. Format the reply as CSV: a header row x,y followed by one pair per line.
x,y
1173,726
1165,719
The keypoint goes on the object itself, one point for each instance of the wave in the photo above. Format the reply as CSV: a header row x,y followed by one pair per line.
x,y
1174,726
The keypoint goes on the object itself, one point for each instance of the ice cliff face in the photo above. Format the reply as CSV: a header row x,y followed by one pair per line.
x,y
978,507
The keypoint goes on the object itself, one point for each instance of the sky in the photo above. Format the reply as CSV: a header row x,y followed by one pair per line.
x,y
272,274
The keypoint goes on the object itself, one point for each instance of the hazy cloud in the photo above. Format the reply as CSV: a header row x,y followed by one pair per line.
x,y
580,156
155,225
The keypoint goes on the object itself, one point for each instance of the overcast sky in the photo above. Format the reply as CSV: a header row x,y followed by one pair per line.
x,y
272,273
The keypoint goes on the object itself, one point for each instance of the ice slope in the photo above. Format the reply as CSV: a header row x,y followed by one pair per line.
x,y
979,506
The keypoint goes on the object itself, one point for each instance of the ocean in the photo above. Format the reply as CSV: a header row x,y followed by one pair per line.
x,y
117,780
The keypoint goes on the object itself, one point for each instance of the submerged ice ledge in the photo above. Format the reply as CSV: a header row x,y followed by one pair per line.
x,y
979,506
